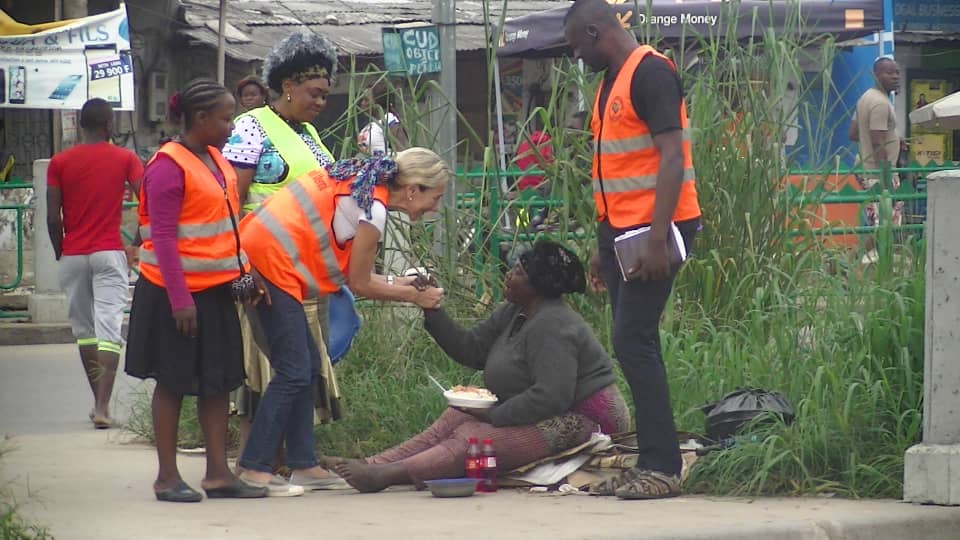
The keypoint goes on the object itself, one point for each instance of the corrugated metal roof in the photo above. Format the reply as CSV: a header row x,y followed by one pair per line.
x,y
353,25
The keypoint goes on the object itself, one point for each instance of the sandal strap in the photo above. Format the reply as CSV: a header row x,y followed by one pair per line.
x,y
641,484
610,485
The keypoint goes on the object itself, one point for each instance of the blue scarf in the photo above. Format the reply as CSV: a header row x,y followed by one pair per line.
x,y
367,174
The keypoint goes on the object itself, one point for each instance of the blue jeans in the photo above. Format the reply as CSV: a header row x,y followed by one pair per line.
x,y
286,408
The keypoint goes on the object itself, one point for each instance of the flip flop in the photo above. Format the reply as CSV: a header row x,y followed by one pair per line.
x,y
237,490
100,422
180,493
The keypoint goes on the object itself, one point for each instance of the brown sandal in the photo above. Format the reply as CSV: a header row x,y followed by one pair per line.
x,y
641,484
608,487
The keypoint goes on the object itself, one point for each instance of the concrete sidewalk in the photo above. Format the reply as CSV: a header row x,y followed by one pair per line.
x,y
86,484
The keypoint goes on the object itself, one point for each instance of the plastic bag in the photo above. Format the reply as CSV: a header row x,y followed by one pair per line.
x,y
736,409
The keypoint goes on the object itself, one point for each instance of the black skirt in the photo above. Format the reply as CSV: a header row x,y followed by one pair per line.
x,y
207,365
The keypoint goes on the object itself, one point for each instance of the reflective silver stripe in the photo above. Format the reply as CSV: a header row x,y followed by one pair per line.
x,y
635,183
320,230
631,144
194,264
289,247
195,230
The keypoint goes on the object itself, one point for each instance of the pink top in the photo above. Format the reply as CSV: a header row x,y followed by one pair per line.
x,y
163,184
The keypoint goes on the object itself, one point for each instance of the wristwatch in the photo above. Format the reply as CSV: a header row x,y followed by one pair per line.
x,y
390,279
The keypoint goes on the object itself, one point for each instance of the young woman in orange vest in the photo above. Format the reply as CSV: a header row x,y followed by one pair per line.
x,y
184,331
318,233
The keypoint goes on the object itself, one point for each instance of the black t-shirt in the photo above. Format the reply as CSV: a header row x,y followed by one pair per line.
x,y
656,93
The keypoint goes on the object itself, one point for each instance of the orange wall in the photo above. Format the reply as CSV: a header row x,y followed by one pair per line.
x,y
831,215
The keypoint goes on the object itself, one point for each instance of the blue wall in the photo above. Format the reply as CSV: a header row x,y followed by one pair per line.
x,y
830,108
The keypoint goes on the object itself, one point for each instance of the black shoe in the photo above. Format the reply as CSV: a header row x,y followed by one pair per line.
x,y
179,493
237,490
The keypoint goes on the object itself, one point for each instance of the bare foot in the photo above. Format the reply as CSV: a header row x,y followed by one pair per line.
x,y
361,476
329,462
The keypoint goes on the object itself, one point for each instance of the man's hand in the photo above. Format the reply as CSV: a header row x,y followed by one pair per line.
x,y
653,261
186,320
595,277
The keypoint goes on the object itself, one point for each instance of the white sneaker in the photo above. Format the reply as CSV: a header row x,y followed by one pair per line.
x,y
276,487
870,257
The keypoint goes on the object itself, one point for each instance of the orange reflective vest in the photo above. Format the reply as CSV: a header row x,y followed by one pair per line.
x,y
290,238
625,161
205,236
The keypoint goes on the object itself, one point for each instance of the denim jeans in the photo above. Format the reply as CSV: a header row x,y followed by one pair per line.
x,y
637,307
286,407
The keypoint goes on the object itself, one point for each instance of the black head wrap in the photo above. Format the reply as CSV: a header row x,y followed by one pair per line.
x,y
553,270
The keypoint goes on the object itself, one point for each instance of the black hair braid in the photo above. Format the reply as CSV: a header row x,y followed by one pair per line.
x,y
198,95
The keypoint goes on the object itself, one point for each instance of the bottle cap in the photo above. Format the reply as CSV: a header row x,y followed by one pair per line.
x,y
473,440
488,441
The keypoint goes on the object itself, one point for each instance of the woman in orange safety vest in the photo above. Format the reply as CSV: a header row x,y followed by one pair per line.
x,y
314,236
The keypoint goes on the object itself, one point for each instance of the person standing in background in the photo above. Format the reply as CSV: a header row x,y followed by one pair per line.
x,y
874,129
642,176
383,133
85,188
251,93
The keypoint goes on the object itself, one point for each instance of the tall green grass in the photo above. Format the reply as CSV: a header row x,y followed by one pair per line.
x,y
755,306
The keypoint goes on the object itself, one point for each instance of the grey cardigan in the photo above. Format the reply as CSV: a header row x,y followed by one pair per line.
x,y
550,364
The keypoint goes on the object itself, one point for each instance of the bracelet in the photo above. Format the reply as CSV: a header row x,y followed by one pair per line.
x,y
390,279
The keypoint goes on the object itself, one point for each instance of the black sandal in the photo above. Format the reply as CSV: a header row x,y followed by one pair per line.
x,y
180,493
237,490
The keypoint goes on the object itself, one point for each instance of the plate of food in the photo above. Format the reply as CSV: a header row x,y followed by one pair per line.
x,y
471,397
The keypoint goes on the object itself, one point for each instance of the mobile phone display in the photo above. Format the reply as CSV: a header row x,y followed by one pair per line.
x,y
102,79
18,84
66,86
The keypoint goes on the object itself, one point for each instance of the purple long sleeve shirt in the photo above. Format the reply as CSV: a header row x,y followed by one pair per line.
x,y
163,183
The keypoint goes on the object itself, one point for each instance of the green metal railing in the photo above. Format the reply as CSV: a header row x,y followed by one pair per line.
x,y
489,207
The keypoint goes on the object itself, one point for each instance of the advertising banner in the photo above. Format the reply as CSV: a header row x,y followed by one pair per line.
x,y
64,67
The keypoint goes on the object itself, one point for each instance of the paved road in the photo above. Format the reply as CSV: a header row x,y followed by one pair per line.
x,y
43,390
86,484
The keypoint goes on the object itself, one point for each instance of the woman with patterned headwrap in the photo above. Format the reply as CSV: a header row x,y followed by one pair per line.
x,y
271,145
314,236
554,381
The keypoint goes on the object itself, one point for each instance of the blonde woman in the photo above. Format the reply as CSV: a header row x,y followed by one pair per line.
x,y
314,236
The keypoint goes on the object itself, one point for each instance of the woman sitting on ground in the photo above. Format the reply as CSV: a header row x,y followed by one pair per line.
x,y
554,381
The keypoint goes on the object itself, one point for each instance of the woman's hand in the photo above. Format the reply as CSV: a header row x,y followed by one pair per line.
x,y
482,415
260,291
186,320
429,298
595,276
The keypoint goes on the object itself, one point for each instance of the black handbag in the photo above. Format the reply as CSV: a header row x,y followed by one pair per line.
x,y
726,416
242,287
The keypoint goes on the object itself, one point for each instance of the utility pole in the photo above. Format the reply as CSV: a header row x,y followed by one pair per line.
x,y
222,43
444,115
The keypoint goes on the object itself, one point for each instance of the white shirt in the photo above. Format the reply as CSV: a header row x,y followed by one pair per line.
x,y
372,139
348,216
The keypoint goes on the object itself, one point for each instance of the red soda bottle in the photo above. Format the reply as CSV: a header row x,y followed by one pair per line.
x,y
473,462
489,467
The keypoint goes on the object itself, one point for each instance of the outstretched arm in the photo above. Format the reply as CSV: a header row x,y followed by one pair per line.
x,y
468,347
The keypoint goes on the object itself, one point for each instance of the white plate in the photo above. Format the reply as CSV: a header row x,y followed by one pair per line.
x,y
470,403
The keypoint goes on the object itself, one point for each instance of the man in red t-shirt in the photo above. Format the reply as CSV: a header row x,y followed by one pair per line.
x,y
85,189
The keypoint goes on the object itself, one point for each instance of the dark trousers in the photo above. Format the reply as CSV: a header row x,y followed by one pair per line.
x,y
637,307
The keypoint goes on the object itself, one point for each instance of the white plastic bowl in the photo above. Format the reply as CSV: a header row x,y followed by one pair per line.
x,y
455,400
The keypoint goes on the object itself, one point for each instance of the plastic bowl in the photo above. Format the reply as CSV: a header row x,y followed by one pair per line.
x,y
453,487
454,400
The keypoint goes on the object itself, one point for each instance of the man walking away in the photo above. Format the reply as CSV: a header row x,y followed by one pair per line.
x,y
874,129
642,175
85,187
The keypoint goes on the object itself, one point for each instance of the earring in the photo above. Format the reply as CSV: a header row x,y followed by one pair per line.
x,y
410,197
288,98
